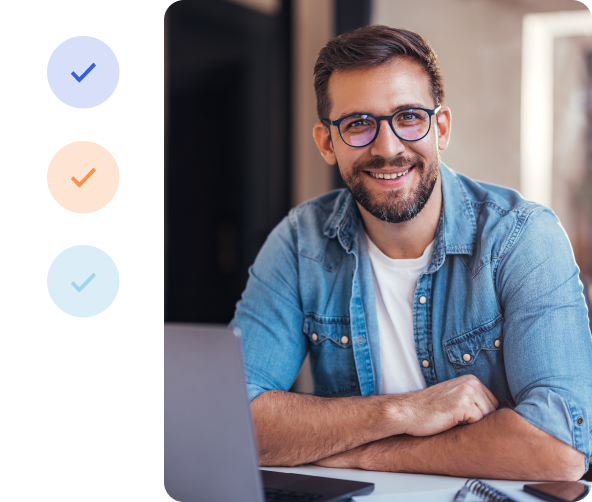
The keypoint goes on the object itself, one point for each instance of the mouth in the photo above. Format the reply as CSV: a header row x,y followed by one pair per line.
x,y
389,176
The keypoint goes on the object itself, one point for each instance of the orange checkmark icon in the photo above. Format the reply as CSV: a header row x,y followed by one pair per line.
x,y
83,180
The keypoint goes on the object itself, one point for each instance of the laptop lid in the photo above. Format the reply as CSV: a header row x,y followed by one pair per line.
x,y
209,447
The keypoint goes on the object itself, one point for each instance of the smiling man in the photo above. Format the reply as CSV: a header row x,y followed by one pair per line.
x,y
444,317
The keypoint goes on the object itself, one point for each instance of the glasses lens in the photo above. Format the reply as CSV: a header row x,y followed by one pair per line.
x,y
412,124
358,130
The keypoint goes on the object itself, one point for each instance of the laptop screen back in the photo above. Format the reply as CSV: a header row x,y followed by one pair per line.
x,y
209,448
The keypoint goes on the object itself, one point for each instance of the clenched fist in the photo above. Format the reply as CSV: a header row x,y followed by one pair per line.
x,y
462,400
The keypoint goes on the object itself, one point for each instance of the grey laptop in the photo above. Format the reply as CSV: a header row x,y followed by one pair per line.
x,y
210,454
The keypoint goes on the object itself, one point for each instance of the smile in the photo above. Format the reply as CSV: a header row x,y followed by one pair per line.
x,y
387,176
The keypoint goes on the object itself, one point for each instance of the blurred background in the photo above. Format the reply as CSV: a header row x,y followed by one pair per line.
x,y
240,108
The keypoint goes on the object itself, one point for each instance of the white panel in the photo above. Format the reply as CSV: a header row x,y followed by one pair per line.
x,y
536,115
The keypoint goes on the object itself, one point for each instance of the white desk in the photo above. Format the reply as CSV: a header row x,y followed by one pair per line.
x,y
392,483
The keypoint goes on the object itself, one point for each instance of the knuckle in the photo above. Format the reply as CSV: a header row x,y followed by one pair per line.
x,y
468,389
465,401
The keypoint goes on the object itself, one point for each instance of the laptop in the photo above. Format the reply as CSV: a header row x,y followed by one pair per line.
x,y
210,453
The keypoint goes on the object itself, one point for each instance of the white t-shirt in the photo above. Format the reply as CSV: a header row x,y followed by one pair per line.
x,y
394,286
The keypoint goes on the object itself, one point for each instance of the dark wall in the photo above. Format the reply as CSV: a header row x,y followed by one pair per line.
x,y
352,14
227,150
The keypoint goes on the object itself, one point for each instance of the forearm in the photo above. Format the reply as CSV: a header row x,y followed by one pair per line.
x,y
294,429
501,446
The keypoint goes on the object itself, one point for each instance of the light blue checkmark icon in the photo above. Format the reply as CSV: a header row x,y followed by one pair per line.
x,y
81,78
88,264
84,284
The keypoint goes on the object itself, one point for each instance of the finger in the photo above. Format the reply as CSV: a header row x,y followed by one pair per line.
x,y
485,400
478,385
475,415
490,397
484,406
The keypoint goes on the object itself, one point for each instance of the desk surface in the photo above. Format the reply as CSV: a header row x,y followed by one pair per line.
x,y
391,483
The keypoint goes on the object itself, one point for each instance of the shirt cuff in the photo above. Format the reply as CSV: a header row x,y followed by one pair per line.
x,y
253,391
558,416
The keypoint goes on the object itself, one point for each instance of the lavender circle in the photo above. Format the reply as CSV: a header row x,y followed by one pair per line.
x,y
68,64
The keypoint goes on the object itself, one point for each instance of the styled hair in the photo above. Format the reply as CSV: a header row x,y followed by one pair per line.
x,y
369,47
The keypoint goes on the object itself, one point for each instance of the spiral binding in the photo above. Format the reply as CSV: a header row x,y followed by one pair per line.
x,y
486,491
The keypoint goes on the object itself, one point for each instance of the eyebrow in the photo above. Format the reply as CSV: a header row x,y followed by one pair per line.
x,y
402,107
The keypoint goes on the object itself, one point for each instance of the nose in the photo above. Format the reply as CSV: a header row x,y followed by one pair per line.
x,y
386,144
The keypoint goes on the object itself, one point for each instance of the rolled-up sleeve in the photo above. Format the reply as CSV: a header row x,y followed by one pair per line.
x,y
270,316
547,344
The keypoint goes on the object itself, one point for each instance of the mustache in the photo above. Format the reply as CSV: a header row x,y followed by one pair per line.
x,y
380,162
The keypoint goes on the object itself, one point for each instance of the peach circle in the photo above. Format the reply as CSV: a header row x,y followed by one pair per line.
x,y
83,177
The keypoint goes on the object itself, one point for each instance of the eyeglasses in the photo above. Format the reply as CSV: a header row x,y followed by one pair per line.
x,y
361,129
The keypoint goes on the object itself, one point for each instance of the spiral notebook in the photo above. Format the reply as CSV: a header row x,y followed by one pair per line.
x,y
480,492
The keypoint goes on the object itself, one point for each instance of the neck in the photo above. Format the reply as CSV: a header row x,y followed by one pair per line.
x,y
409,239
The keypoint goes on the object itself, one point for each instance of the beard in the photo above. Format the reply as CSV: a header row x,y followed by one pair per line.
x,y
392,206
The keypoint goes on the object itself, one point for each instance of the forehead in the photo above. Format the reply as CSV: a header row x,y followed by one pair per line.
x,y
380,90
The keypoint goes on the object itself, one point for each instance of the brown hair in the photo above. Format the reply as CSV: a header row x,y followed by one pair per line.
x,y
369,47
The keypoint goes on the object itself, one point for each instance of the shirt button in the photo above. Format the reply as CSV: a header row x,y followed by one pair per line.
x,y
497,343
360,340
314,337
467,357
422,299
425,363
344,339
580,420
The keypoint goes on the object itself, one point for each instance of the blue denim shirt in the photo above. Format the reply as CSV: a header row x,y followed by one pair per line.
x,y
502,286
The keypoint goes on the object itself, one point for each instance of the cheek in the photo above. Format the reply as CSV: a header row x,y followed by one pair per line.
x,y
346,158
346,164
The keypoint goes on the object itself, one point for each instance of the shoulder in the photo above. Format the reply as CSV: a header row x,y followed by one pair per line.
x,y
503,220
503,200
309,225
318,214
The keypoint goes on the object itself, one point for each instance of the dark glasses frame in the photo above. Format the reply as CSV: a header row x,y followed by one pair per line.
x,y
390,118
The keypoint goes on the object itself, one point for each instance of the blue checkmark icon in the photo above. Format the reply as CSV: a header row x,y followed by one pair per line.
x,y
81,78
84,284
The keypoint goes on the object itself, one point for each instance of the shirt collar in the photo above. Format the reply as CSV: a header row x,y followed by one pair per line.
x,y
455,233
343,221
457,222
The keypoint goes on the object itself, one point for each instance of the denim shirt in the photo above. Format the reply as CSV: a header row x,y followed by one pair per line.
x,y
501,299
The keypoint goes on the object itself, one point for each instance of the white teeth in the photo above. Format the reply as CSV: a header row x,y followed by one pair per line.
x,y
391,176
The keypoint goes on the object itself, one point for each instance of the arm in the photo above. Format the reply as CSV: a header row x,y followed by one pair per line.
x,y
294,429
548,364
501,446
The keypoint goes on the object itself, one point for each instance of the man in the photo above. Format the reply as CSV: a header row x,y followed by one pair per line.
x,y
444,318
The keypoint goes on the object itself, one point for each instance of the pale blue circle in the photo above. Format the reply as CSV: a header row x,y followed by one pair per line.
x,y
83,281
77,55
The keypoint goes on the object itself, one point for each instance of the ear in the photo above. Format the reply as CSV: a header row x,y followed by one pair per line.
x,y
322,136
444,124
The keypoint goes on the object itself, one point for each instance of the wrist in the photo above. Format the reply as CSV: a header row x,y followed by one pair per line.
x,y
379,456
361,456
399,414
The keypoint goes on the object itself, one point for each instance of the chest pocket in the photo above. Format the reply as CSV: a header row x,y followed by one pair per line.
x,y
331,355
479,352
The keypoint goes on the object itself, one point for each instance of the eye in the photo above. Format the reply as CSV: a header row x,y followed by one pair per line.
x,y
410,117
357,122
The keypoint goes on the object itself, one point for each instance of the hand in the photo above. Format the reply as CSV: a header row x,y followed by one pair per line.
x,y
462,400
